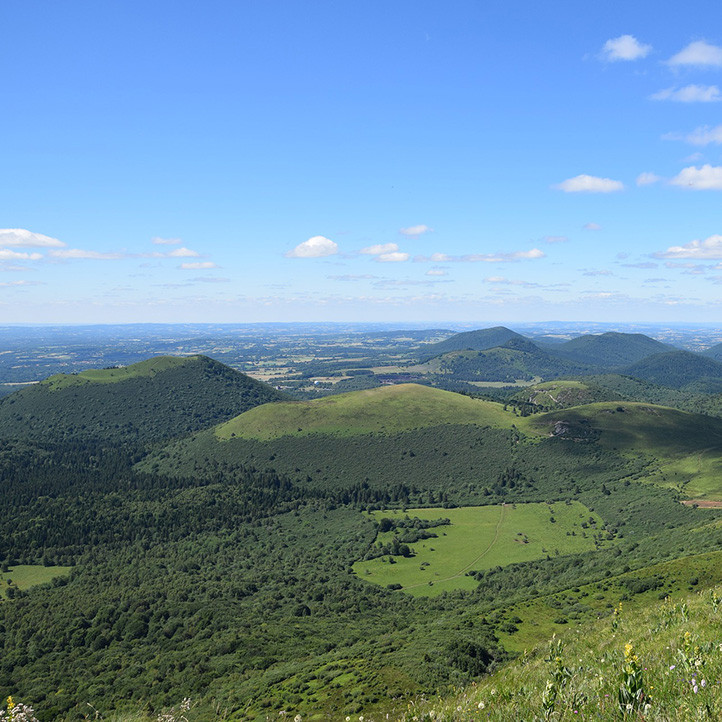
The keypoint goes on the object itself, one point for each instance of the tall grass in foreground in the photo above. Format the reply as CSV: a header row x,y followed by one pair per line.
x,y
661,664
664,663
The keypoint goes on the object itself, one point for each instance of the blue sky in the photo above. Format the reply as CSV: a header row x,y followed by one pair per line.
x,y
375,161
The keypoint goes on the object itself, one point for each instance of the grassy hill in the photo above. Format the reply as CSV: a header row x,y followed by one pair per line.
x,y
154,399
610,350
562,394
386,409
685,449
676,369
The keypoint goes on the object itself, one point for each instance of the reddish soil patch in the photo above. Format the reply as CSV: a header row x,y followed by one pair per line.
x,y
703,503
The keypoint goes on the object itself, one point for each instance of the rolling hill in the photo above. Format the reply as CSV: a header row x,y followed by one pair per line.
x,y
676,369
610,350
471,341
154,399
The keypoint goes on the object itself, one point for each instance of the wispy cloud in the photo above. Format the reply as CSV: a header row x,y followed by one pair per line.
x,y
483,257
556,239
415,231
625,47
198,266
14,284
501,281
437,272
689,94
643,264
700,53
589,184
708,249
8,255
704,135
158,241
646,179
591,227
707,177
594,272
392,257
353,277
379,248
314,247
79,253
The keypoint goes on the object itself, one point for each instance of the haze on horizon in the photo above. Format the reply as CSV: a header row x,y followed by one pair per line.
x,y
253,162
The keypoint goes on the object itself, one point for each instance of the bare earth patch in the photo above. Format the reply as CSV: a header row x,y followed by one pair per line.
x,y
703,503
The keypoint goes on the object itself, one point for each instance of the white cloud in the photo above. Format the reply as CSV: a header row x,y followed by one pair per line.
x,y
7,255
437,272
646,179
415,231
165,241
603,272
689,94
707,177
183,253
589,184
393,257
591,227
556,239
314,247
704,135
76,253
700,53
709,249
200,265
379,248
20,238
625,47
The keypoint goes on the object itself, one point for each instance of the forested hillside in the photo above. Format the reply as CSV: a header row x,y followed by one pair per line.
x,y
154,399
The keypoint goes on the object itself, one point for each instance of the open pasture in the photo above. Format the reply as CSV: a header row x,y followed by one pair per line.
x,y
478,538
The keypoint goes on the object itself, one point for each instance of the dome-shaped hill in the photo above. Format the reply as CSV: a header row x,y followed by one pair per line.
x,y
610,350
155,399
675,369
387,409
480,340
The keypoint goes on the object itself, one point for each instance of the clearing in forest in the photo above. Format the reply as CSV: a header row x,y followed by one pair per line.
x,y
479,537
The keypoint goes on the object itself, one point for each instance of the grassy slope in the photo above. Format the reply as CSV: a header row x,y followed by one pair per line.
x,y
563,394
686,448
387,409
677,643
479,538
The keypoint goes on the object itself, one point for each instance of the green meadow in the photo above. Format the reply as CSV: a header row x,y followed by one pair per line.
x,y
24,576
384,410
478,538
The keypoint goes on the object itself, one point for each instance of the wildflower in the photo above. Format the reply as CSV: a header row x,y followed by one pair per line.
x,y
481,705
703,683
297,718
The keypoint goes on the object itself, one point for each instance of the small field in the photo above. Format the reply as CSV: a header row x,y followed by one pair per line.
x,y
481,537
24,576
